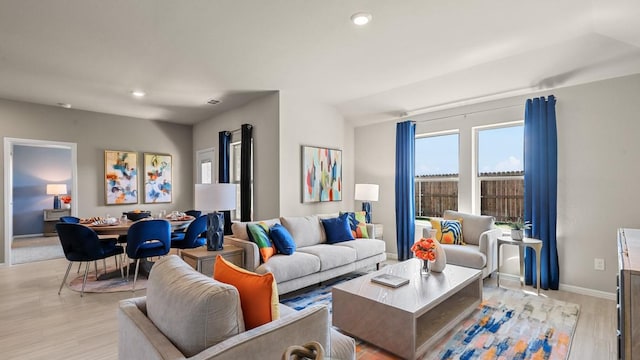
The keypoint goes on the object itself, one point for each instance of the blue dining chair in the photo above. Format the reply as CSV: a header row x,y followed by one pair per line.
x,y
195,213
81,244
145,239
70,219
75,220
192,238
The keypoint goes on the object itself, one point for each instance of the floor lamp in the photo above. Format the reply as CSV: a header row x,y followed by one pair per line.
x,y
367,193
56,190
214,198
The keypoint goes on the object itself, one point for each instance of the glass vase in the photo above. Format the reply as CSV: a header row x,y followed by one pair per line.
x,y
425,269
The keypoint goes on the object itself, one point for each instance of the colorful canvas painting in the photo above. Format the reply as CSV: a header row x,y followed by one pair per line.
x,y
321,174
121,177
157,178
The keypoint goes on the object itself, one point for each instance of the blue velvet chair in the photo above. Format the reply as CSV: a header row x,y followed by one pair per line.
x,y
195,213
146,239
192,238
81,244
70,220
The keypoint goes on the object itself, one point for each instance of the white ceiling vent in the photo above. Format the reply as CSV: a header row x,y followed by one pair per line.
x,y
213,102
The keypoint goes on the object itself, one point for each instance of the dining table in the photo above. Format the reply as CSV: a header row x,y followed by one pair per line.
x,y
121,227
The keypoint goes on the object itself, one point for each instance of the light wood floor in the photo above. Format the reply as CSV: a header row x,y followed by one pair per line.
x,y
36,323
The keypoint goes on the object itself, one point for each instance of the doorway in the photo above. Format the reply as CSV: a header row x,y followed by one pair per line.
x,y
9,146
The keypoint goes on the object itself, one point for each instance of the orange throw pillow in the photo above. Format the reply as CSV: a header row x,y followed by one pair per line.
x,y
258,293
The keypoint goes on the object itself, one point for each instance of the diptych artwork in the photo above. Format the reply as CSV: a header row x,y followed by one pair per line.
x,y
321,174
157,178
121,177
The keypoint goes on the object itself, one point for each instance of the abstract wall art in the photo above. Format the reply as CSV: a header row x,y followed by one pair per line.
x,y
321,174
121,177
157,178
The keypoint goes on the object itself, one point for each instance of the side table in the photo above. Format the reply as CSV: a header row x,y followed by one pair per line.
x,y
535,244
204,260
378,230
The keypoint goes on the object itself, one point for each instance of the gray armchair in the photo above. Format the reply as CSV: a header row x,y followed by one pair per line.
x,y
481,242
187,315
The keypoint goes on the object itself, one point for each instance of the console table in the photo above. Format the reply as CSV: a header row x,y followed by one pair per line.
x,y
535,244
628,293
51,217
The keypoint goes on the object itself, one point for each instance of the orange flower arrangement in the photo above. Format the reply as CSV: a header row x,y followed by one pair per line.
x,y
66,199
424,249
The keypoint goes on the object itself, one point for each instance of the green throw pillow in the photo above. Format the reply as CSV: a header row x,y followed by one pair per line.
x,y
259,234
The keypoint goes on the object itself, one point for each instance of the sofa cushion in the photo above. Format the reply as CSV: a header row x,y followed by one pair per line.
x,y
472,225
287,267
358,224
306,230
259,234
448,231
365,247
465,255
239,229
282,239
337,229
192,310
258,293
331,256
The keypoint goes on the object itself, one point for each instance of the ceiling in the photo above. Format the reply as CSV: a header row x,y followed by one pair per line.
x,y
414,54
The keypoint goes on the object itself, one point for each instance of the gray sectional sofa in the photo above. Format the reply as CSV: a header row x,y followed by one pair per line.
x,y
314,260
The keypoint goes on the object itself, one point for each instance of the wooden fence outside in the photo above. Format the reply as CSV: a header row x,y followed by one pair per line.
x,y
501,198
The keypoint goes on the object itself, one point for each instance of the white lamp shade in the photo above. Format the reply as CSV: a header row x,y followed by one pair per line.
x,y
56,189
367,192
215,197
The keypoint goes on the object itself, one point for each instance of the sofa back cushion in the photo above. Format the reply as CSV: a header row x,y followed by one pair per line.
x,y
239,229
192,310
305,230
472,225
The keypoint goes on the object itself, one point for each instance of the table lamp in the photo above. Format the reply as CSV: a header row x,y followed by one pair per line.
x,y
366,193
213,198
56,190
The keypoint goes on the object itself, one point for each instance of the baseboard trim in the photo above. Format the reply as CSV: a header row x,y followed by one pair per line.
x,y
392,256
589,292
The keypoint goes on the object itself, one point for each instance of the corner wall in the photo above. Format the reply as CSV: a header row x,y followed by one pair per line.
x,y
93,133
263,113
307,122
598,168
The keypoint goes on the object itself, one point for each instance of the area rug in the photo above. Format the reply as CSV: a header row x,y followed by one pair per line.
x,y
112,283
508,324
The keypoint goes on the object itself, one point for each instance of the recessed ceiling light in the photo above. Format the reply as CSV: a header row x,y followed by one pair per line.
x,y
138,93
361,18
64,105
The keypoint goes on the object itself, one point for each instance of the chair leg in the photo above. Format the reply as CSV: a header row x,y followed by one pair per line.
x,y
65,277
95,266
79,266
84,281
128,267
104,264
121,270
135,277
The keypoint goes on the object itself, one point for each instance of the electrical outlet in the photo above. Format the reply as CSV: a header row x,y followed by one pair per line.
x,y
598,264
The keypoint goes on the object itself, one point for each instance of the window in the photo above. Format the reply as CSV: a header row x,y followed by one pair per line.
x,y
436,174
234,174
501,171
205,171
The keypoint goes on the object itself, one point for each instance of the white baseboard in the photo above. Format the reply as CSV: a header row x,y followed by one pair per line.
x,y
391,256
573,289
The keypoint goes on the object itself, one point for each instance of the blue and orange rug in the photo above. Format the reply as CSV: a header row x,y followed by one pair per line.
x,y
508,324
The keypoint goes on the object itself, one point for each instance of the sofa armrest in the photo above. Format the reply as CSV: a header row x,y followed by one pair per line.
x,y
488,245
270,340
138,337
251,253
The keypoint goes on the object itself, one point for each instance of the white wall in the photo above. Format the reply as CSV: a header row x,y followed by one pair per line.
x,y
598,164
307,122
263,113
93,133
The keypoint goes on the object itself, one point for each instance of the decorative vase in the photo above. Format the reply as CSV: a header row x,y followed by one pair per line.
x,y
67,206
441,258
517,234
425,269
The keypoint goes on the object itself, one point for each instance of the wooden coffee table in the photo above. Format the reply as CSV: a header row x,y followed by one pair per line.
x,y
409,319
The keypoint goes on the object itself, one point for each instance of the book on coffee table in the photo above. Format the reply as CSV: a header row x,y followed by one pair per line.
x,y
390,280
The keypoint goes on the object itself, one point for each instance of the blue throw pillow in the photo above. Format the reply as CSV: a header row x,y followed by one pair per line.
x,y
337,229
282,239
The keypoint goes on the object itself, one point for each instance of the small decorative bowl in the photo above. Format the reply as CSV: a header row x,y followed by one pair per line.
x,y
135,216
